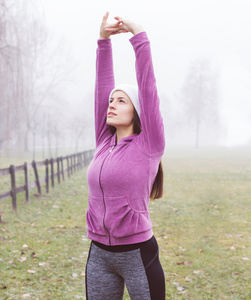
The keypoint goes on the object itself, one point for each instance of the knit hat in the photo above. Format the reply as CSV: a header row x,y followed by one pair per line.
x,y
132,92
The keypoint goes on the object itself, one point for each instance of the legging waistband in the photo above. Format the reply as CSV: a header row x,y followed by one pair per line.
x,y
123,248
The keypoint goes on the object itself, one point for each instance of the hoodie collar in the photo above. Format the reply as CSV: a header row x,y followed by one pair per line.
x,y
124,140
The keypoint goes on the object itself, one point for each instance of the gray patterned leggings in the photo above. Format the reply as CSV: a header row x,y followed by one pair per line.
x,y
109,268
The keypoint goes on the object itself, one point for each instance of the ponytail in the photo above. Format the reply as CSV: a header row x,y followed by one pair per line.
x,y
157,189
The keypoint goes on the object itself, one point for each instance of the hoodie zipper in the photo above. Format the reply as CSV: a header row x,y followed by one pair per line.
x,y
103,193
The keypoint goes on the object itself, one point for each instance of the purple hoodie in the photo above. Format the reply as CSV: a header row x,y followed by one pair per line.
x,y
120,176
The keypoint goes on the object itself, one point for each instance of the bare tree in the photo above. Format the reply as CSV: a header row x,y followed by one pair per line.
x,y
18,40
33,69
77,126
9,70
199,97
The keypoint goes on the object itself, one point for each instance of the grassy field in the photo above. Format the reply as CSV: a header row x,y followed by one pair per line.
x,y
202,225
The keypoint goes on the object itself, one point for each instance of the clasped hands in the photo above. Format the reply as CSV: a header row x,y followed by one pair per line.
x,y
121,26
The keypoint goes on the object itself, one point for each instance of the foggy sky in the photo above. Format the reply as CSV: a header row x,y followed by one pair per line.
x,y
180,31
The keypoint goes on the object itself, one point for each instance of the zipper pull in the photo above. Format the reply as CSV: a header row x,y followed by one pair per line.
x,y
111,149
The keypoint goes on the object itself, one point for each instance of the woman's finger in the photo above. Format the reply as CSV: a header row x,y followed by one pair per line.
x,y
112,29
118,18
105,17
120,31
114,25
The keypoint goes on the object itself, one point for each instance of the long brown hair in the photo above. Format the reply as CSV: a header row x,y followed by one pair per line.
x,y
157,188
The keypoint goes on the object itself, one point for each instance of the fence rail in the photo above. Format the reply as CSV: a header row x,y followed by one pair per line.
x,y
75,162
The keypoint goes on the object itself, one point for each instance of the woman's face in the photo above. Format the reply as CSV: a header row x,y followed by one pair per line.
x,y
120,110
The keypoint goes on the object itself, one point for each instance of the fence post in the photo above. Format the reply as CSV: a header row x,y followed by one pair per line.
x,y
26,175
81,160
58,169
71,166
52,172
68,167
74,157
34,165
62,167
47,175
85,159
78,162
13,188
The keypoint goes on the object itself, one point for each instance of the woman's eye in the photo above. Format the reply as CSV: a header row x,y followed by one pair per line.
x,y
111,100
123,101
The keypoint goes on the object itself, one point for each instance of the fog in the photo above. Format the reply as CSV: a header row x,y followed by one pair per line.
x,y
212,35
180,31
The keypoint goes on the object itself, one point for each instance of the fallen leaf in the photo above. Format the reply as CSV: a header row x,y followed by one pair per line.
x,y
42,264
26,295
31,271
197,271
47,242
186,263
33,254
23,259
75,275
83,274
187,279
182,249
182,292
232,247
245,258
200,251
181,288
25,246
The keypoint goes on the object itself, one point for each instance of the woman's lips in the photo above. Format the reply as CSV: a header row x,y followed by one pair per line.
x,y
111,114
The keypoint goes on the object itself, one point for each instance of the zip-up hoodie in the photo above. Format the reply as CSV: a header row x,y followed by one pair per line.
x,y
120,176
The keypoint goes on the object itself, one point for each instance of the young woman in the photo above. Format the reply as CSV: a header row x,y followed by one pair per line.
x,y
125,172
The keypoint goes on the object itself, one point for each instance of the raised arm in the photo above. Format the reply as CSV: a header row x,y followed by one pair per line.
x,y
150,117
104,77
152,137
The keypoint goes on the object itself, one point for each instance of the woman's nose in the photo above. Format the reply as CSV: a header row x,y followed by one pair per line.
x,y
112,105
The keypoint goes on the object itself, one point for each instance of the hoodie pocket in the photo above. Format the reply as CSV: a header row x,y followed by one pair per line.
x,y
95,215
122,220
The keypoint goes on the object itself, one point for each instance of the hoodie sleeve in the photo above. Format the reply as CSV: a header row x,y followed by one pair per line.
x,y
151,139
103,86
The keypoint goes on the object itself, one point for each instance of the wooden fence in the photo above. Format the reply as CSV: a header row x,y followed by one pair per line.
x,y
53,168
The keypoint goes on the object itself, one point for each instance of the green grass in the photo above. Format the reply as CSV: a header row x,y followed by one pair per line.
x,y
202,225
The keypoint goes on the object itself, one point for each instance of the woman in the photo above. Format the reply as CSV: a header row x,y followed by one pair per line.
x,y
124,173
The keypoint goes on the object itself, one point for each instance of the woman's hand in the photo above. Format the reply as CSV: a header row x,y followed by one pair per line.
x,y
106,30
127,26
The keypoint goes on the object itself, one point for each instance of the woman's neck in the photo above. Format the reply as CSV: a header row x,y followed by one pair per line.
x,y
123,132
